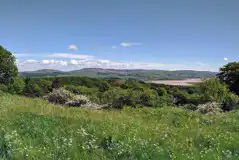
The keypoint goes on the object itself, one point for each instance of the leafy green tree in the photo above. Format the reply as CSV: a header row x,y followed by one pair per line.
x,y
229,74
213,90
8,69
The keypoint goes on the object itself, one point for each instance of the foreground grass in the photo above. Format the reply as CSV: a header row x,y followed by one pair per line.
x,y
34,129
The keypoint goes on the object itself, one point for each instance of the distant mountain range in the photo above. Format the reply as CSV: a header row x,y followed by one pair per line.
x,y
113,73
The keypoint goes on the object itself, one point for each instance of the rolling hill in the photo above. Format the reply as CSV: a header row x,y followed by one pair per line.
x,y
112,73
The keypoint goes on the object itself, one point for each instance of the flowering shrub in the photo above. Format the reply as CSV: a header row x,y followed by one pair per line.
x,y
64,97
59,96
210,108
77,101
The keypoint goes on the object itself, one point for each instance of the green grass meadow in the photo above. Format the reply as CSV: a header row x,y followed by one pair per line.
x,y
34,129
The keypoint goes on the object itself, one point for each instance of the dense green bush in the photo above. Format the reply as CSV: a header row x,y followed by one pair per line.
x,y
103,86
17,86
37,88
180,97
161,91
81,90
147,97
32,90
100,84
132,84
119,97
213,90
56,83
81,81
3,88
230,102
112,97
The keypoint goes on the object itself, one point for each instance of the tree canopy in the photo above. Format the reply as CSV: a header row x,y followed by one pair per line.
x,y
229,74
8,69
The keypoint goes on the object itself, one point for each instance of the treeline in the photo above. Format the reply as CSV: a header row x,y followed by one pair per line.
x,y
118,93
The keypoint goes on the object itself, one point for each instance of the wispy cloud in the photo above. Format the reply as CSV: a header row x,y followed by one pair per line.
x,y
127,44
73,47
130,44
71,56
225,59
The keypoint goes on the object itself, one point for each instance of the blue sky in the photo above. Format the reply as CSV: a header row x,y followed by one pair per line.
x,y
153,34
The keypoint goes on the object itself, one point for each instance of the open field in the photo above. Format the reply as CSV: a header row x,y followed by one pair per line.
x,y
35,129
186,82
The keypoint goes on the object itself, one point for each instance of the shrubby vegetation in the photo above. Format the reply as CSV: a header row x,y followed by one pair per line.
x,y
81,90
117,93
17,87
215,91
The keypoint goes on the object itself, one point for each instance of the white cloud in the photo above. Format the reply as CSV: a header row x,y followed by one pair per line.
x,y
69,55
31,61
48,61
129,44
74,64
73,47
225,59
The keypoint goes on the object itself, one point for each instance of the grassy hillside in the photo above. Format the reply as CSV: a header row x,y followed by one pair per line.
x,y
112,73
35,129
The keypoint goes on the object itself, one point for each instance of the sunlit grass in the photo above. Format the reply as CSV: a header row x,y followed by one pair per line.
x,y
35,129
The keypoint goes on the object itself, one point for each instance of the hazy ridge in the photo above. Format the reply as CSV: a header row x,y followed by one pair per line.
x,y
113,73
